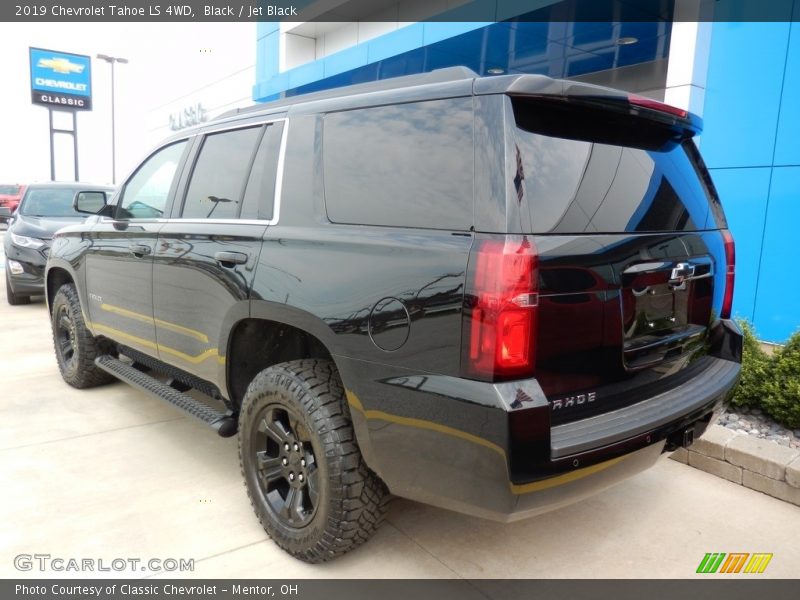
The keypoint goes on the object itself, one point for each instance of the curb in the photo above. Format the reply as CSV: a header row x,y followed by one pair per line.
x,y
758,464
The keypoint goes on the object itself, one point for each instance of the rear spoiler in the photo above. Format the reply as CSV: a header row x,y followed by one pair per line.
x,y
539,87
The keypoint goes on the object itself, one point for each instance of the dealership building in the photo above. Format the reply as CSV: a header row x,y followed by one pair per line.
x,y
741,76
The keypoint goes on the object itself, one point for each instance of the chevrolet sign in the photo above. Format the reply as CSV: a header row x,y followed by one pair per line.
x,y
61,79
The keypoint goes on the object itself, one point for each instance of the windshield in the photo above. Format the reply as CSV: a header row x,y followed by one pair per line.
x,y
49,202
9,190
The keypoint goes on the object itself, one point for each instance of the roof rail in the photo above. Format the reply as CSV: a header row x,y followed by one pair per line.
x,y
436,76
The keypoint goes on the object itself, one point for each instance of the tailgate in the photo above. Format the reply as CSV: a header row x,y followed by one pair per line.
x,y
631,257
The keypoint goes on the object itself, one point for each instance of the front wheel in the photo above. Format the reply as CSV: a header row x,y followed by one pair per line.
x,y
75,346
304,473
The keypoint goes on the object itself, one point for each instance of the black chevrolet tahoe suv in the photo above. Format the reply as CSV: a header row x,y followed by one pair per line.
x,y
494,295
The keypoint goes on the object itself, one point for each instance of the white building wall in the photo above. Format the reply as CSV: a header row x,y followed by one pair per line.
x,y
690,45
305,42
229,91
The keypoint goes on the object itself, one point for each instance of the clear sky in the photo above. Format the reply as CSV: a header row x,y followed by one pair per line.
x,y
167,60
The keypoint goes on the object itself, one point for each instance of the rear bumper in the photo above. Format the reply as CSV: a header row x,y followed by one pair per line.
x,y
679,406
489,450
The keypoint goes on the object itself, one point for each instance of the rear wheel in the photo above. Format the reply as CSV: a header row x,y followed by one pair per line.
x,y
15,299
304,473
75,346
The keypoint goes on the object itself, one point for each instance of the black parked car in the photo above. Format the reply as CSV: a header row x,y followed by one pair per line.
x,y
44,209
494,295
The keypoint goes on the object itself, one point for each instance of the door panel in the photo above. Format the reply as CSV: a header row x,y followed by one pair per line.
x,y
196,285
205,261
119,261
119,280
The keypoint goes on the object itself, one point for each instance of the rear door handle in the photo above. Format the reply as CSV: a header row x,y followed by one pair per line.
x,y
229,259
140,250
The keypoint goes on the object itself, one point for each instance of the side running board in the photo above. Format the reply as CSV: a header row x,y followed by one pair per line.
x,y
223,422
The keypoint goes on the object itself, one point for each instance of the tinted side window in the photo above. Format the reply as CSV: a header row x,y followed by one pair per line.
x,y
406,165
219,174
259,197
146,192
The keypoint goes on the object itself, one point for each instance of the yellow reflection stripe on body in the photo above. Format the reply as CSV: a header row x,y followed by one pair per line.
x,y
124,312
117,334
210,353
355,403
526,488
121,335
544,484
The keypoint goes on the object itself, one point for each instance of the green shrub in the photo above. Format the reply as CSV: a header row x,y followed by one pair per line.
x,y
781,389
755,370
771,383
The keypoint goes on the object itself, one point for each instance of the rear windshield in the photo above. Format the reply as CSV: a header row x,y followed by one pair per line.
x,y
584,171
9,190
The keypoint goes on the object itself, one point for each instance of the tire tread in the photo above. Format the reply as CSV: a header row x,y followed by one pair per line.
x,y
358,497
87,374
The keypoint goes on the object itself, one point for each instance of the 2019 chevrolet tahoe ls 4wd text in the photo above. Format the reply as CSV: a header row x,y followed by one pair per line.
x,y
495,295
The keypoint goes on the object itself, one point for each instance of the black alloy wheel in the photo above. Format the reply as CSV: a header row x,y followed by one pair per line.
x,y
288,474
64,336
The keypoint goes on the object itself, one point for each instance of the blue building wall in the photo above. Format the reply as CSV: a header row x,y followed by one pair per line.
x,y
557,49
751,144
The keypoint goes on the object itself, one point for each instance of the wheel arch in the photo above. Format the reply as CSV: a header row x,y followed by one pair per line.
x,y
57,275
268,334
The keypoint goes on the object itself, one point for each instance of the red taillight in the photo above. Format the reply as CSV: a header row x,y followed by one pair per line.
x,y
643,102
500,319
730,274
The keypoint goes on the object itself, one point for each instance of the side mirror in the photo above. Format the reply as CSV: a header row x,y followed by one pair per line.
x,y
89,203
5,212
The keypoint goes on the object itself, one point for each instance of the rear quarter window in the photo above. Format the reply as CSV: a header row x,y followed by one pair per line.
x,y
407,165
220,174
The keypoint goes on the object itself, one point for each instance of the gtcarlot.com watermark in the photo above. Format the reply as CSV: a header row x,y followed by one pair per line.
x,y
47,563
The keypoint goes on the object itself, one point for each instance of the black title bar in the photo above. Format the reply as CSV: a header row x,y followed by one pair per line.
x,y
455,589
182,11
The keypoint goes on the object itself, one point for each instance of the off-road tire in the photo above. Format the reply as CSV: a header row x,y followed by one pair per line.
x,y
352,499
15,299
79,371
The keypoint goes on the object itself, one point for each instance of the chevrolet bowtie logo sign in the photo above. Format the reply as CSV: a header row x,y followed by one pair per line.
x,y
735,562
60,65
61,80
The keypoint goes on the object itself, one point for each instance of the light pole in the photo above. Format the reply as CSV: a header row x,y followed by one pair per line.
x,y
112,60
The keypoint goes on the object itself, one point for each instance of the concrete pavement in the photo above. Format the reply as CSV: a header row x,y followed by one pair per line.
x,y
112,473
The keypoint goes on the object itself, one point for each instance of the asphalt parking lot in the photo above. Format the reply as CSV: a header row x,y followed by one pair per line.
x,y
112,473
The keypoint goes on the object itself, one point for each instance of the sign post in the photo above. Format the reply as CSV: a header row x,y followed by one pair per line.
x,y
61,81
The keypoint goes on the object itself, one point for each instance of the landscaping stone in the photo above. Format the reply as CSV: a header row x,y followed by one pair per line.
x,y
767,485
793,473
760,456
720,468
713,441
681,455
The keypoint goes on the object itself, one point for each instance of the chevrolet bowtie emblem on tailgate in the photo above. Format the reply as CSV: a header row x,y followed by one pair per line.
x,y
681,273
